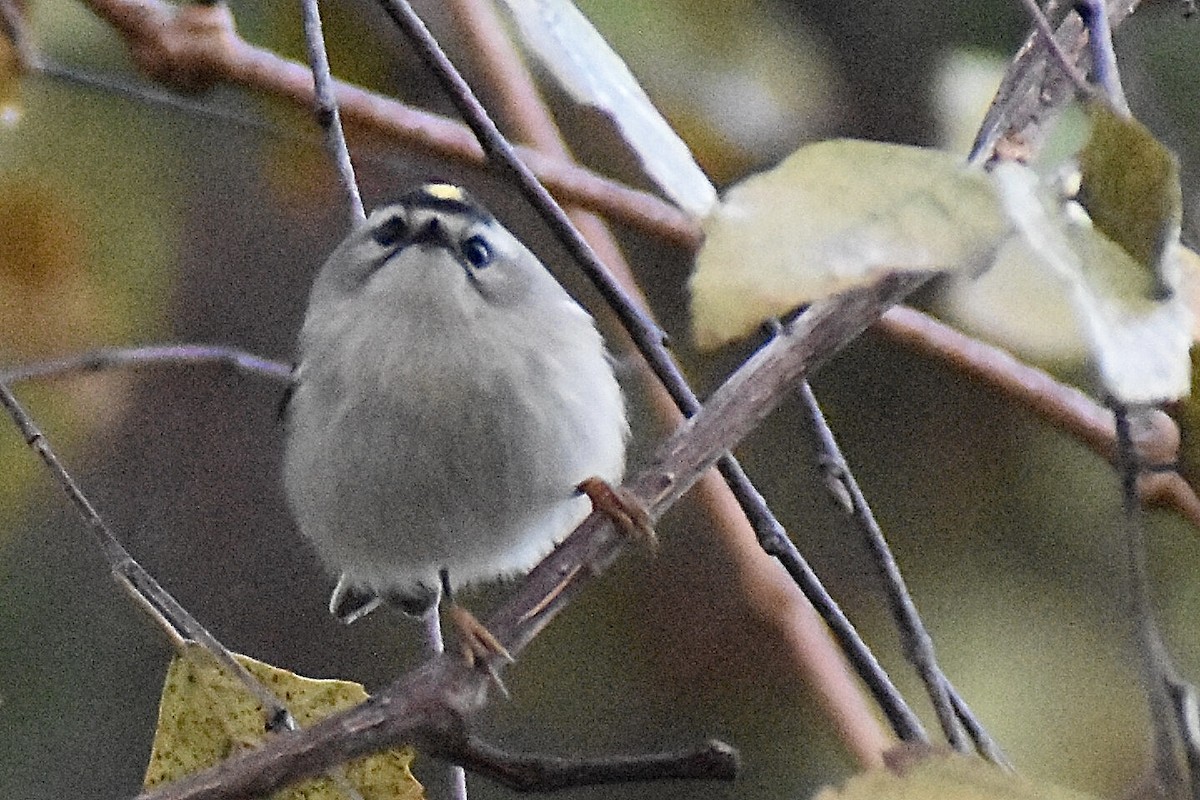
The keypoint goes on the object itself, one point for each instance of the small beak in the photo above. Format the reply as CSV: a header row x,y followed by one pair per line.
x,y
433,233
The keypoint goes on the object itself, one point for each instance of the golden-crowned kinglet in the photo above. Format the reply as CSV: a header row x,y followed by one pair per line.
x,y
449,397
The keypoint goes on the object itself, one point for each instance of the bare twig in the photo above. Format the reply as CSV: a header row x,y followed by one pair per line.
x,y
1064,61
1159,675
428,705
713,760
1104,58
1031,93
158,602
519,106
904,723
326,108
167,355
952,711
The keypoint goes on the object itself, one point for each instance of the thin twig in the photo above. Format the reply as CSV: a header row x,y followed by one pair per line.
x,y
1043,27
326,108
520,107
575,184
167,611
952,711
537,773
1104,58
904,723
166,355
644,332
1159,674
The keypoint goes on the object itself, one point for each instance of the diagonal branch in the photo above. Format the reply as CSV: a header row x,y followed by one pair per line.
x,y
1035,88
427,706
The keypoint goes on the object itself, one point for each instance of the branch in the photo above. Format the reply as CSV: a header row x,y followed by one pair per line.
x,y
155,600
195,47
428,706
326,110
957,720
166,355
1063,406
525,773
1035,89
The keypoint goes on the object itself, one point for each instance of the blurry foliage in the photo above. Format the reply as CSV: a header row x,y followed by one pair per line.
x,y
1004,528
84,256
743,82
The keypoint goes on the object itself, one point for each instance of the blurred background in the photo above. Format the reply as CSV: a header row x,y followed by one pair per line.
x,y
126,221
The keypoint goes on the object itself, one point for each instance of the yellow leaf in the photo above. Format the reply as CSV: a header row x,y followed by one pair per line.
x,y
206,716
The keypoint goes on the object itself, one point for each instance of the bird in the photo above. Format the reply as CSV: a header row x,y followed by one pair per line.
x,y
449,399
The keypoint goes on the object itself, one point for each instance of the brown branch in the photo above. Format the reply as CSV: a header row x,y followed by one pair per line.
x,y
1035,88
536,773
428,706
1063,406
195,47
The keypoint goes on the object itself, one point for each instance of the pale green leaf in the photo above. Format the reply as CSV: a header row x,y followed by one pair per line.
x,y
1052,305
579,58
1017,305
832,216
206,716
1138,340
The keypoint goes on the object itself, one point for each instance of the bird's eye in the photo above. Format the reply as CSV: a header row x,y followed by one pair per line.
x,y
391,231
477,252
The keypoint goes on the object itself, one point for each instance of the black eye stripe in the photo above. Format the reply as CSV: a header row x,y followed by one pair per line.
x,y
391,231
